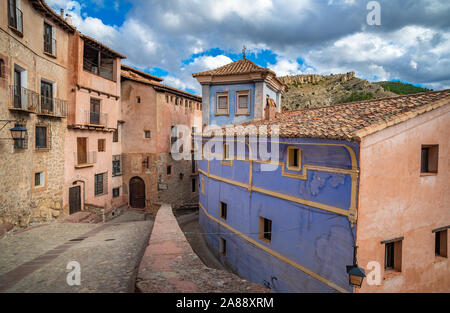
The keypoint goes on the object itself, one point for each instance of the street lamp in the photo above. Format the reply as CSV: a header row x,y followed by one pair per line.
x,y
18,132
355,273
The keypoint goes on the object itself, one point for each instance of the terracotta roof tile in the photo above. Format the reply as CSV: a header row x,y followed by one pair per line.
x,y
352,121
242,66
130,73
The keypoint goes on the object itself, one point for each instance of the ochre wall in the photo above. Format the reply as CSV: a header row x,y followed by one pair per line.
x,y
396,201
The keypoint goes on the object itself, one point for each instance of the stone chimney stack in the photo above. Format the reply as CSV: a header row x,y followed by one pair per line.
x,y
271,108
62,13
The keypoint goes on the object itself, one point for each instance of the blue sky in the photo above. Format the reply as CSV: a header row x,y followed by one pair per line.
x,y
174,38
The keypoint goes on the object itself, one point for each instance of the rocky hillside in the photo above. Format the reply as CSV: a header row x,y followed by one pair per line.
x,y
309,91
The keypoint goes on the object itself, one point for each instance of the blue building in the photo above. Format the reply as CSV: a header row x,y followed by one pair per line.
x,y
292,228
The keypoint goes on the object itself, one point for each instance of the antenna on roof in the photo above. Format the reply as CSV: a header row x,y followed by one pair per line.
x,y
244,48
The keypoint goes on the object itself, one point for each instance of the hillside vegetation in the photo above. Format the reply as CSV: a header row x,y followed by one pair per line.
x,y
402,88
312,91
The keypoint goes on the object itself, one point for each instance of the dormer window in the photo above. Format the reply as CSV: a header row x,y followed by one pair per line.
x,y
222,103
243,102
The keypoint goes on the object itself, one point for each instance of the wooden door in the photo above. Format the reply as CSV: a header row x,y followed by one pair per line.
x,y
137,193
74,199
81,150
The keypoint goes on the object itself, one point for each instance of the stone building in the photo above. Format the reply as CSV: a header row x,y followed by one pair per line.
x,y
150,111
34,64
93,158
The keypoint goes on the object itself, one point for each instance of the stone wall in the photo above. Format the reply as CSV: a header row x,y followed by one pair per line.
x,y
20,202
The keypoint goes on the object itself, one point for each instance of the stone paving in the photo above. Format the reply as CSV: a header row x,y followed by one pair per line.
x,y
36,260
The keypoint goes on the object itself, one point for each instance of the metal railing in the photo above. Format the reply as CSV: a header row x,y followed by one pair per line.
x,y
23,99
52,106
50,46
17,20
103,71
85,158
96,118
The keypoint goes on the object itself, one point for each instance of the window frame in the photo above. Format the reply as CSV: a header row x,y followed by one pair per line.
x,y
222,112
104,190
223,210
265,235
47,137
431,159
237,110
441,242
42,184
118,192
117,159
393,255
101,145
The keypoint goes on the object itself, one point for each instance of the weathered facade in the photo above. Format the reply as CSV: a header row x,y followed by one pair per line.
x,y
149,111
93,159
371,174
34,44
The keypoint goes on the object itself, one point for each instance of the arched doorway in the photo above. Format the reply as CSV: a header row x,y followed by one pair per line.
x,y
137,193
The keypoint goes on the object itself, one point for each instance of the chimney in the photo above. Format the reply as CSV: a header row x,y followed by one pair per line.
x,y
68,19
271,109
62,13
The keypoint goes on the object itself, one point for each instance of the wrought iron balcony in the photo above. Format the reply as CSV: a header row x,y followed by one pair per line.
x,y
52,107
50,46
85,159
22,99
96,118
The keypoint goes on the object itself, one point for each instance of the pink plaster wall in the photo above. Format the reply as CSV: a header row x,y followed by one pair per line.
x,y
78,104
395,201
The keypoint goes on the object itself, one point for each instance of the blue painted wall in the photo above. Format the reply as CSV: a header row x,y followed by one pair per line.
x,y
318,240
231,88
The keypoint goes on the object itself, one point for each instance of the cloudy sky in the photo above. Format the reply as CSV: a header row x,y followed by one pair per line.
x,y
174,38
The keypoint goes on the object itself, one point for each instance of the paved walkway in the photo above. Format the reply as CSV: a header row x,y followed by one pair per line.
x,y
170,265
109,254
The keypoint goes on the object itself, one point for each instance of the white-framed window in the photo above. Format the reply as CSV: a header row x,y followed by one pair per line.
x,y
222,103
39,179
242,102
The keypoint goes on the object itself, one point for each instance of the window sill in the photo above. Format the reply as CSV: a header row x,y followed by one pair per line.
x,y
84,165
439,259
16,31
42,149
265,240
428,174
50,54
388,274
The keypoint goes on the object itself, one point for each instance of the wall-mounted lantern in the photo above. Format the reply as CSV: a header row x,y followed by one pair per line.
x,y
18,133
355,273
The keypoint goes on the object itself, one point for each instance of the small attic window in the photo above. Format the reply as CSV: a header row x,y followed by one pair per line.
x,y
138,99
293,158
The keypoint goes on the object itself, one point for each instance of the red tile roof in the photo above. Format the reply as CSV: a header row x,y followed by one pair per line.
x,y
355,120
242,66
130,73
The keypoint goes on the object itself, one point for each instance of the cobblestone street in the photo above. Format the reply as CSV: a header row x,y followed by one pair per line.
x,y
109,254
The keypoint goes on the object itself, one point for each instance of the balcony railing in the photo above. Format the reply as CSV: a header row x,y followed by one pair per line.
x,y
50,46
16,20
52,107
103,71
96,118
85,159
23,99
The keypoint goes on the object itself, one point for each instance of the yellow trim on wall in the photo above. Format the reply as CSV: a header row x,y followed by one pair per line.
x,y
276,254
351,213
